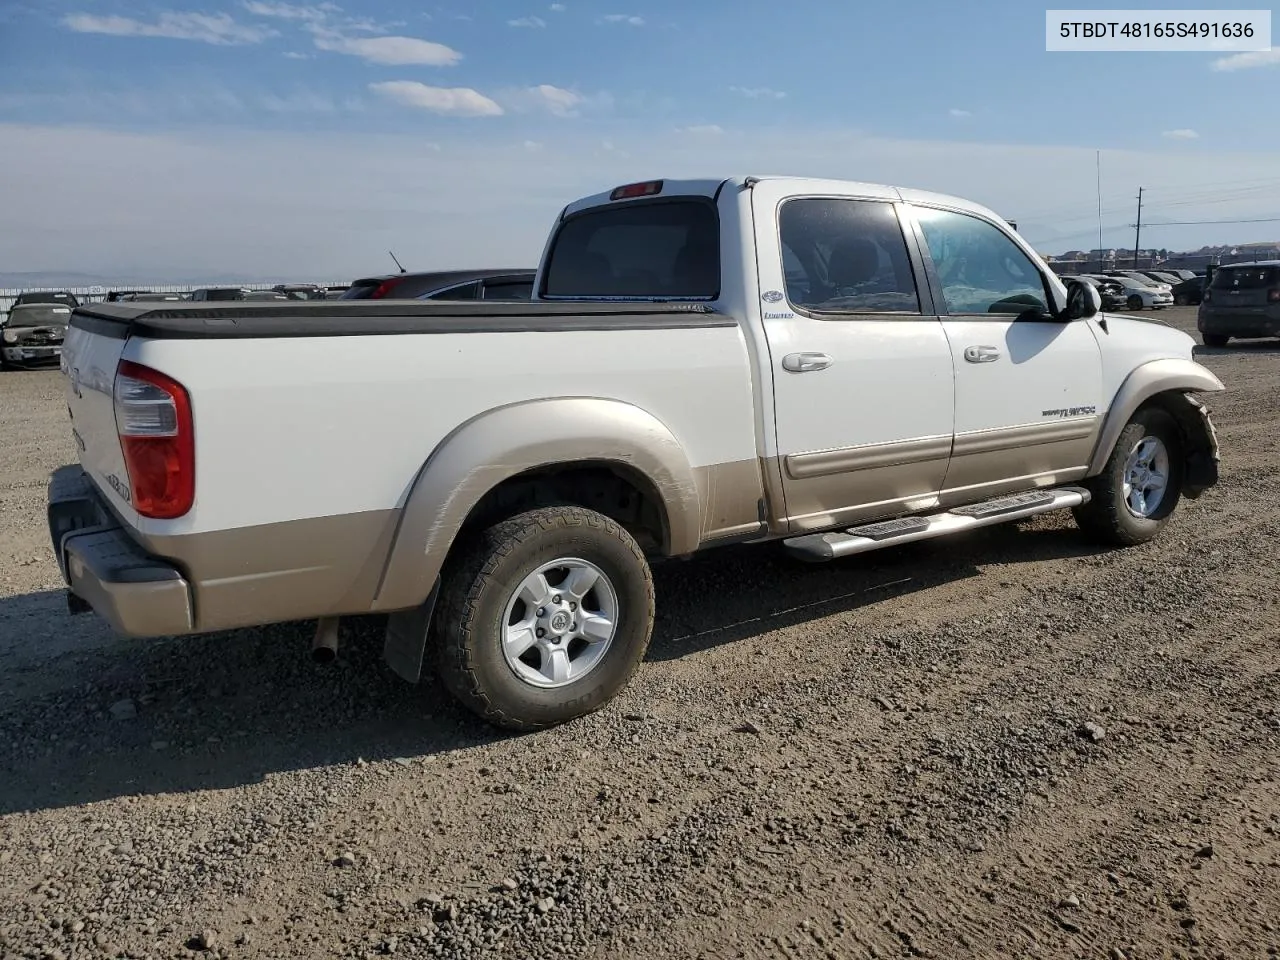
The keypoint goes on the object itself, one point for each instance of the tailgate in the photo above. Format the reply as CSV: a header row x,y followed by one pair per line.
x,y
89,363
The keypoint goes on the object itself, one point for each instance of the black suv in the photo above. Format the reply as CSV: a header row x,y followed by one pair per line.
x,y
1242,300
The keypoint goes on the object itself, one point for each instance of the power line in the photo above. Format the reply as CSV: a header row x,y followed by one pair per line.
x,y
1192,223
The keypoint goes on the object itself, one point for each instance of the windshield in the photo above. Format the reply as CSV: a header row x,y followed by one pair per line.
x,y
663,249
39,315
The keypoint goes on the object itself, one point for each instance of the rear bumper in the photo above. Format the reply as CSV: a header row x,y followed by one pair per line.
x,y
1239,321
104,568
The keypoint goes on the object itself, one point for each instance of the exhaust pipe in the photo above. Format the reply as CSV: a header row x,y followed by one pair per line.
x,y
324,648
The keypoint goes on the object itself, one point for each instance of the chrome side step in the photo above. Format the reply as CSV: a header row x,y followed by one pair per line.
x,y
819,547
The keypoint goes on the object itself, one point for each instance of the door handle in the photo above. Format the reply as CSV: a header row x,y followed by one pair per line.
x,y
804,362
981,354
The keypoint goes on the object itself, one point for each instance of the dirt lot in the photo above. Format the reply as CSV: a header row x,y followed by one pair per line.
x,y
882,757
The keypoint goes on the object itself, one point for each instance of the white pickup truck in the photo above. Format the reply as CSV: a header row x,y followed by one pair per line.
x,y
840,366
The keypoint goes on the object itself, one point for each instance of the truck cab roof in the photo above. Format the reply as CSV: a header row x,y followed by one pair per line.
x,y
713,187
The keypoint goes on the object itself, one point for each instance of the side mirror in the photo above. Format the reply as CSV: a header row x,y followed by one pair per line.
x,y
1083,301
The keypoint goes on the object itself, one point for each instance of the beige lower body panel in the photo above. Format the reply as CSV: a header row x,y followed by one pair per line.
x,y
277,572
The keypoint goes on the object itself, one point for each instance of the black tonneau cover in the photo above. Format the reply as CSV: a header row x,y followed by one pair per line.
x,y
230,320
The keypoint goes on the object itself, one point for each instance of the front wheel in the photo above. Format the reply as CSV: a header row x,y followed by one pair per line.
x,y
1214,339
544,617
1134,302
1137,491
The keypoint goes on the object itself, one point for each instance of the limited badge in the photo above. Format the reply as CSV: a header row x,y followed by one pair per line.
x,y
771,296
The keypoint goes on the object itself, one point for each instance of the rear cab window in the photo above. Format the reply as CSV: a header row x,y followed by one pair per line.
x,y
662,249
1245,278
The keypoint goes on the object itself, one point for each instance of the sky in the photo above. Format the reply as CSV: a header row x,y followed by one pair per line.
x,y
305,140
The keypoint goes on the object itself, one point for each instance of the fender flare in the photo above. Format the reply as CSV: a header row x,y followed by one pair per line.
x,y
504,442
1170,375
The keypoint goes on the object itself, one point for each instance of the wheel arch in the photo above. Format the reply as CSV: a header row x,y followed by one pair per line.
x,y
1172,385
527,439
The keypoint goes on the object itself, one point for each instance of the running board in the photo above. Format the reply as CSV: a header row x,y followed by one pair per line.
x,y
819,547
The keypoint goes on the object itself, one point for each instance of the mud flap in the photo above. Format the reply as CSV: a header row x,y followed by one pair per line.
x,y
1202,456
405,644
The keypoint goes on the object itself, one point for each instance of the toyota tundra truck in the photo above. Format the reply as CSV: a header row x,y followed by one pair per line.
x,y
839,366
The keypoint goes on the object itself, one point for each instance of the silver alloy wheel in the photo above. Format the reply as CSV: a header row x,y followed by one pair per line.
x,y
559,623
1146,477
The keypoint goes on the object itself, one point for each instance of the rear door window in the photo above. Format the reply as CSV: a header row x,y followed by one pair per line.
x,y
668,249
844,257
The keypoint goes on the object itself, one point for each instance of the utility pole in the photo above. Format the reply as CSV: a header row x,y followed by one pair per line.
x,y
1099,162
1137,235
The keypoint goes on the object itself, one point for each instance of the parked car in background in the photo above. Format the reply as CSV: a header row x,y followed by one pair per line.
x,y
265,295
1185,274
463,285
116,296
64,297
1188,292
1139,294
1242,300
218,293
301,291
146,296
334,293
1110,292
505,286
1160,276
32,335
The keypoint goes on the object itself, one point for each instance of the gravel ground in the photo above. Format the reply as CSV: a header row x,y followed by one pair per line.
x,y
1010,744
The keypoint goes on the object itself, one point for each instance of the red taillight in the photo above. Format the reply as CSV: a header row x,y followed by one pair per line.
x,y
385,288
153,421
1273,296
646,189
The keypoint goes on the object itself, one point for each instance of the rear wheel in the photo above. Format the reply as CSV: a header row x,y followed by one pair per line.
x,y
1134,302
1181,299
1214,339
1138,490
544,617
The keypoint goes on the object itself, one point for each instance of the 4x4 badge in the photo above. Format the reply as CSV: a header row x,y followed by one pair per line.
x,y
771,296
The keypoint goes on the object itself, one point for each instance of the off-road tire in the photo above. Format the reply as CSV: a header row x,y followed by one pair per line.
x,y
1106,518
1214,339
478,584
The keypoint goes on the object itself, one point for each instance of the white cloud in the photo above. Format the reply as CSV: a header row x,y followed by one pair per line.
x,y
626,18
295,55
533,146
527,22
758,93
959,114
1180,134
1250,60
217,29
389,51
702,130
289,11
453,101
558,7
